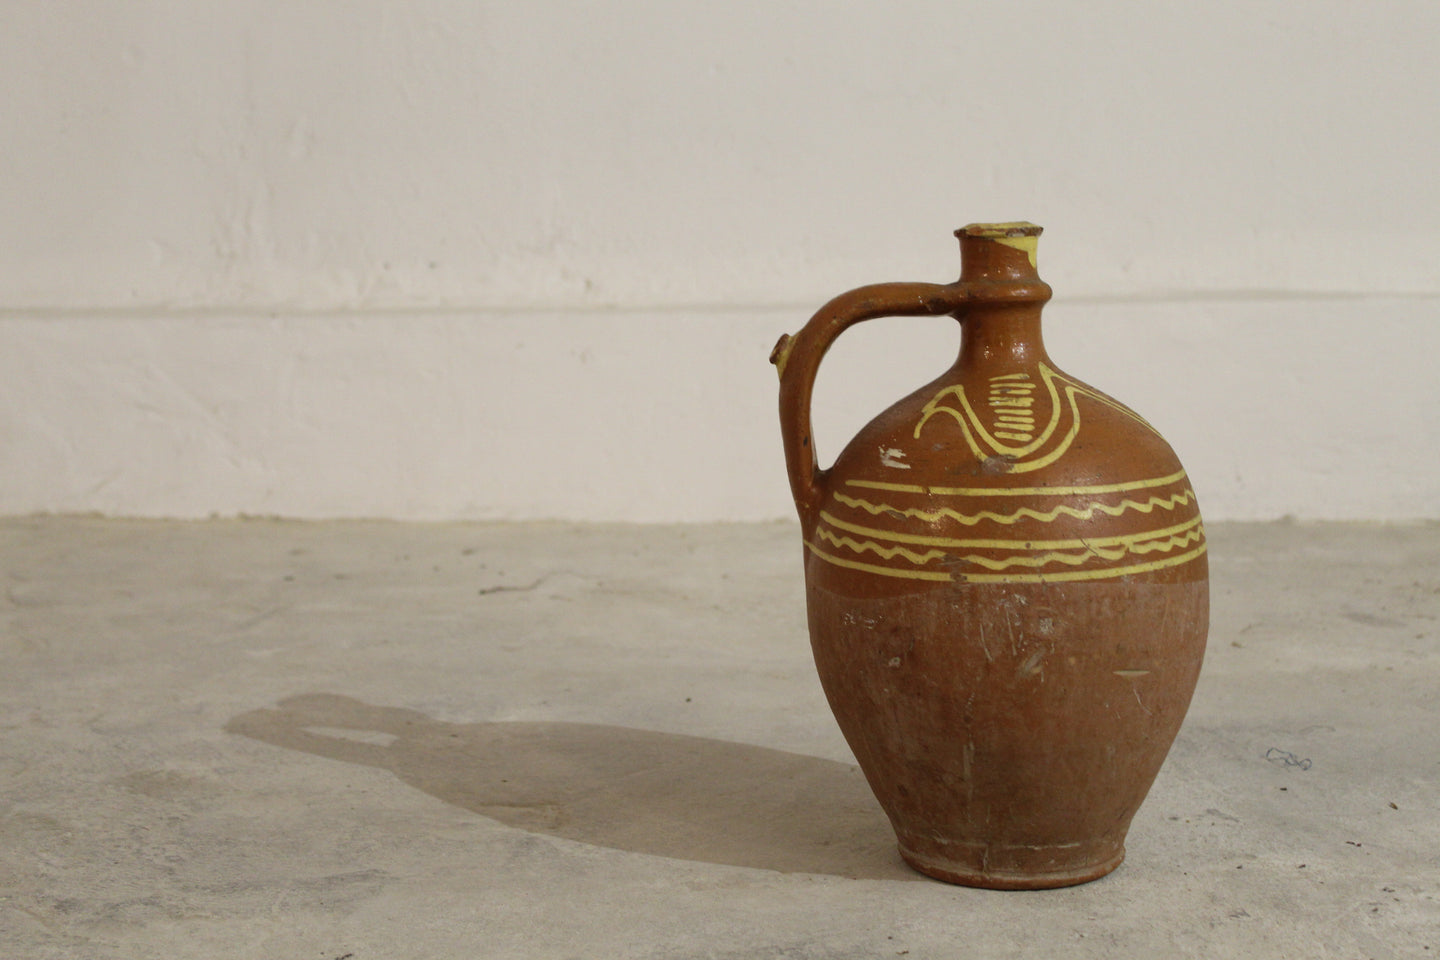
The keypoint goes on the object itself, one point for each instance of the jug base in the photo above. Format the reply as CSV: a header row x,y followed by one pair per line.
x,y
1023,868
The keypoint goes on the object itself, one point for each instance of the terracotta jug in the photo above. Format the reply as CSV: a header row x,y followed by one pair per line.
x,y
1006,581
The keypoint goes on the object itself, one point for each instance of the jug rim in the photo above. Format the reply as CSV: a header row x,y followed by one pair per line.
x,y
1013,228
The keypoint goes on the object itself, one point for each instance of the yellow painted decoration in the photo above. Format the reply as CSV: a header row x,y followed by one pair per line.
x,y
1085,491
975,433
1038,560
781,354
1076,559
888,553
1076,543
1103,548
1009,400
1072,576
876,568
994,231
1024,513
1063,576
1028,244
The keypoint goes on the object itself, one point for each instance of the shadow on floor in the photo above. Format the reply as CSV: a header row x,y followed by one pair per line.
x,y
656,793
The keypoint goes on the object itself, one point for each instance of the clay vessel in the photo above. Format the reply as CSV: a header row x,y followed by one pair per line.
x,y
1007,585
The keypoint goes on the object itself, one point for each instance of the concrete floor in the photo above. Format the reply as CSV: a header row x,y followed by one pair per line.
x,y
373,740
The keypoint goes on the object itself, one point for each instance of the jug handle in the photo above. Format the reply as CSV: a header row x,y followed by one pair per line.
x,y
797,360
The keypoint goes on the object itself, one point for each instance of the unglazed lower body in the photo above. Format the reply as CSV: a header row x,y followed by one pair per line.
x,y
1011,731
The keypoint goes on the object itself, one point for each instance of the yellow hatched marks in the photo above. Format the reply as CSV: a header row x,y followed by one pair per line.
x,y
1014,437
1011,406
1086,512
975,432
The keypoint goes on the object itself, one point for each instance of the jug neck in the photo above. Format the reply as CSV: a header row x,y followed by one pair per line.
x,y
1003,295
1002,335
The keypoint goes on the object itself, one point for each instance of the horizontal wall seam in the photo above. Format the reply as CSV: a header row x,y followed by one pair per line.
x,y
163,310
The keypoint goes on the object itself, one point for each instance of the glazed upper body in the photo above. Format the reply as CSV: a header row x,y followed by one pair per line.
x,y
1003,469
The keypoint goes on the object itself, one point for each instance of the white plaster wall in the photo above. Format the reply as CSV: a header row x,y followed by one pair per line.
x,y
511,260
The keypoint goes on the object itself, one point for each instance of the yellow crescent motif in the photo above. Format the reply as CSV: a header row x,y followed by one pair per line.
x,y
974,431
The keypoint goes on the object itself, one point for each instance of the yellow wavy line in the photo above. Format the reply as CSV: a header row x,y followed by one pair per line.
x,y
1117,547
1020,491
1194,536
1075,543
876,568
1075,559
1071,576
889,553
1024,513
1064,576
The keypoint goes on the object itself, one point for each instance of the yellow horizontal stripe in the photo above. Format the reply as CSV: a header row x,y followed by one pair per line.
x,y
1019,491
